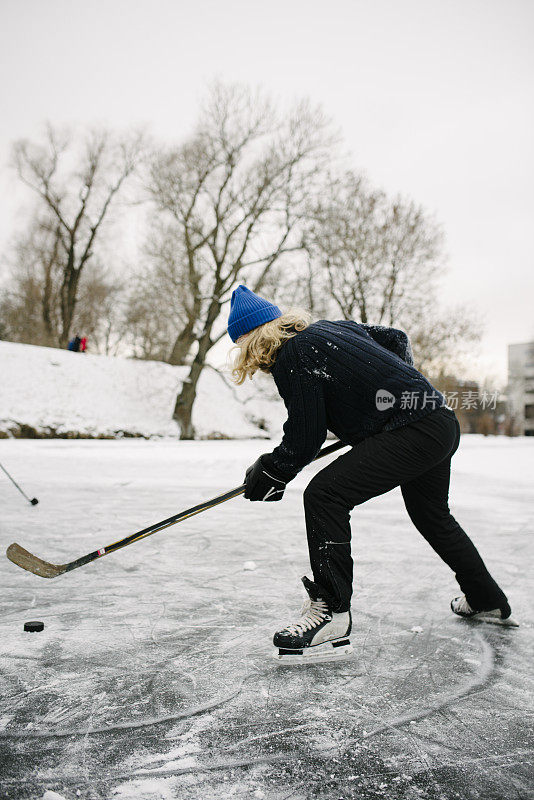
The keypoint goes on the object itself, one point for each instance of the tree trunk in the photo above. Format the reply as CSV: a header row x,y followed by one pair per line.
x,y
45,309
183,344
68,303
183,409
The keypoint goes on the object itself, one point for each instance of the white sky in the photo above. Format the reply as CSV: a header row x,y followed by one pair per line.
x,y
435,99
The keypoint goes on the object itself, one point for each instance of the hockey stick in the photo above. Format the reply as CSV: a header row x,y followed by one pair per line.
x,y
22,558
33,501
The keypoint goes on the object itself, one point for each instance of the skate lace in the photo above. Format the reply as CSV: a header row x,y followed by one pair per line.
x,y
313,612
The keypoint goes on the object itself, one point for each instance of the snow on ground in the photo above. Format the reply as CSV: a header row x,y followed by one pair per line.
x,y
152,678
53,390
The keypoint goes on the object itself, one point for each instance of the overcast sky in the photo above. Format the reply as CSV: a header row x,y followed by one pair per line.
x,y
435,99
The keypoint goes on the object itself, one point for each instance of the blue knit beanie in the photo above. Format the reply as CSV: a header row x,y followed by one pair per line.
x,y
248,311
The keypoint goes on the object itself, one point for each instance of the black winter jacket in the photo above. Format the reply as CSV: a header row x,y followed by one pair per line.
x,y
352,379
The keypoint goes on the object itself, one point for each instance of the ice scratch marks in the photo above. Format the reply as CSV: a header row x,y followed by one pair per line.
x,y
227,764
477,682
120,726
164,773
85,765
270,734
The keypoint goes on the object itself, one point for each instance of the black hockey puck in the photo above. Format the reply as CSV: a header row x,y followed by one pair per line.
x,y
34,501
33,627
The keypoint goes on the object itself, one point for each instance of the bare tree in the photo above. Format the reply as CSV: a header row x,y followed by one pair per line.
x,y
377,255
179,305
442,339
160,313
77,190
30,297
30,304
379,261
98,314
20,319
148,321
236,193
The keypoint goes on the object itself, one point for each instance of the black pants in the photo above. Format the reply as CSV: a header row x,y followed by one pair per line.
x,y
416,457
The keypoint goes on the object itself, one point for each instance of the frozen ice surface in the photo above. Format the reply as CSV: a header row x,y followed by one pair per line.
x,y
152,677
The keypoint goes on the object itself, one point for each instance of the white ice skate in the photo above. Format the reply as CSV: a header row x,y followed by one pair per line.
x,y
319,636
495,616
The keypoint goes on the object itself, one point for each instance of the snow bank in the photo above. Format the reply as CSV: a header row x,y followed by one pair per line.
x,y
56,393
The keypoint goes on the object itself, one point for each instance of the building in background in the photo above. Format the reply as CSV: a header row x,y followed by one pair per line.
x,y
479,409
521,389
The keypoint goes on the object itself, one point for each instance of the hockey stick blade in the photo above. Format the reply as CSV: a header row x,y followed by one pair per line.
x,y
22,558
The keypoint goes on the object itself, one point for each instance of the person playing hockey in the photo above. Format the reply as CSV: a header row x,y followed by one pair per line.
x,y
359,382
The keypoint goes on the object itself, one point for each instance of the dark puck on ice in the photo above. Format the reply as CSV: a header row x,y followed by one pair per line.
x,y
34,501
32,627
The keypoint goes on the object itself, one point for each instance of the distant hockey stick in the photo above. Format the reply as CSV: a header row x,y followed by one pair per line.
x,y
33,501
22,558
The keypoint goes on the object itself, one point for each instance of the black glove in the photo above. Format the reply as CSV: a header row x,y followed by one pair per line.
x,y
263,483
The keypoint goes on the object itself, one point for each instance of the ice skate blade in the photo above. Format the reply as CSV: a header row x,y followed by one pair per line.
x,y
320,654
493,619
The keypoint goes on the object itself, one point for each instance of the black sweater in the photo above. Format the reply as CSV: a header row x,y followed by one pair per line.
x,y
328,376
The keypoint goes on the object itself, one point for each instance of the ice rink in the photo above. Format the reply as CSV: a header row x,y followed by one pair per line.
x,y
153,679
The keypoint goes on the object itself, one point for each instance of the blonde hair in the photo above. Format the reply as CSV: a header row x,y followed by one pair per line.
x,y
258,349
